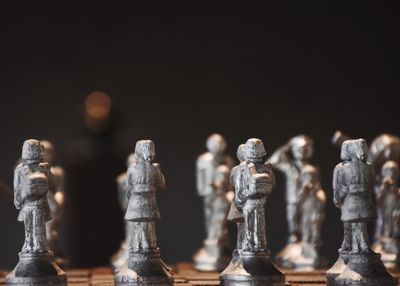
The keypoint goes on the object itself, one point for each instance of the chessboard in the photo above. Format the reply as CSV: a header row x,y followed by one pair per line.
x,y
185,275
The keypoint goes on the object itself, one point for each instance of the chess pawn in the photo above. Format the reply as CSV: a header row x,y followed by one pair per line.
x,y
56,198
205,259
291,159
32,180
120,258
353,181
253,265
312,201
144,180
388,202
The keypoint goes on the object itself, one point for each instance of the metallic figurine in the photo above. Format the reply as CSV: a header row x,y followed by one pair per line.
x,y
212,256
384,148
311,202
291,159
56,198
32,181
252,265
120,258
145,179
388,201
353,182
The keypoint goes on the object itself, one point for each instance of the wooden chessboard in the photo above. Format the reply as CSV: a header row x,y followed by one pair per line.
x,y
185,275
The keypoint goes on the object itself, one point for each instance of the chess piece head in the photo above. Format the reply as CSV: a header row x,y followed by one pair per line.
x,y
310,174
302,147
48,151
391,170
240,153
145,150
32,151
254,150
216,144
354,150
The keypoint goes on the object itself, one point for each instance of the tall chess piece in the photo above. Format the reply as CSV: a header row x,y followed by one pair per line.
x,y
56,198
32,181
312,201
252,265
291,159
145,179
213,255
353,182
120,258
384,148
388,201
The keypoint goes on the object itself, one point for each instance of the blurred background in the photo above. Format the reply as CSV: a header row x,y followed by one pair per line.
x,y
176,78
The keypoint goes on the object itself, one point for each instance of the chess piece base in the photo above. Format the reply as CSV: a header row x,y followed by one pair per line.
x,y
210,258
389,250
36,269
337,268
308,260
365,270
144,269
290,252
247,268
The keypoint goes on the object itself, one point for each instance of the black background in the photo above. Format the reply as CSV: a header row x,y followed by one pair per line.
x,y
175,77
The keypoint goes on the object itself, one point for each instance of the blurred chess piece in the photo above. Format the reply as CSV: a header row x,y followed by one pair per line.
x,y
213,255
388,203
353,182
291,159
56,198
32,181
144,180
120,258
311,204
253,265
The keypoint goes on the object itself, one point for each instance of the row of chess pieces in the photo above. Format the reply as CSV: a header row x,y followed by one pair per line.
x,y
230,193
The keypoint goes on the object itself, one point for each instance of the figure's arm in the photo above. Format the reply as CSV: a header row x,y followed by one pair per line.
x,y
128,184
338,194
280,158
18,201
200,177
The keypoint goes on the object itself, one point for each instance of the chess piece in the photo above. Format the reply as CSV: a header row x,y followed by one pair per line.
x,y
212,255
311,203
388,203
120,258
252,265
353,181
291,159
145,179
56,198
385,147
32,181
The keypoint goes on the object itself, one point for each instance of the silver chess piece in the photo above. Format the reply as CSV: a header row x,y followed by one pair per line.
x,y
311,204
145,179
252,264
353,182
388,202
211,167
384,148
290,159
56,198
120,258
32,181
